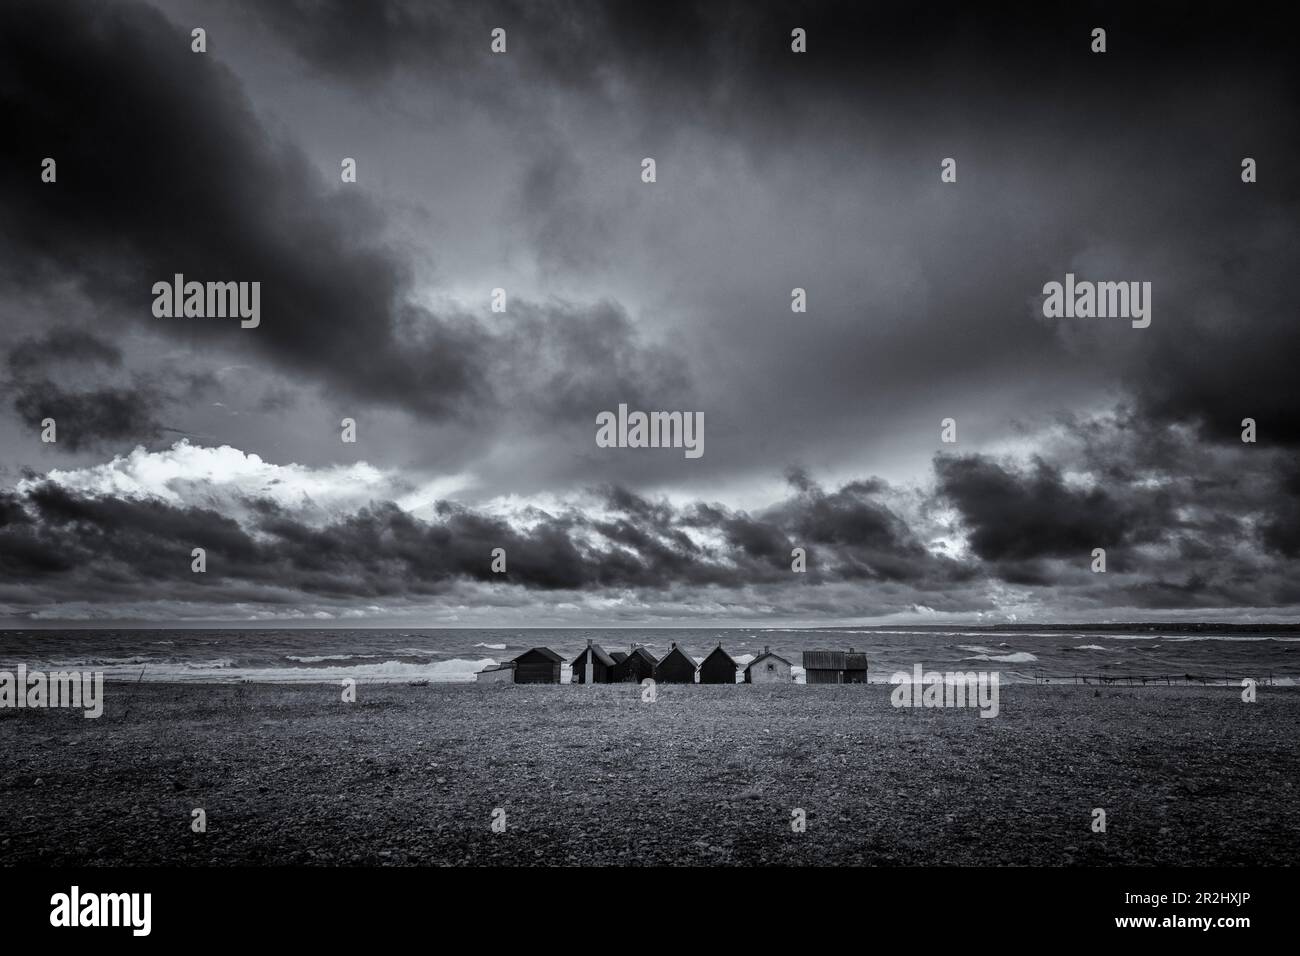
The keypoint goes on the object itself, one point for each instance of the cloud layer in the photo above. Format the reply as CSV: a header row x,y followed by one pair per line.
x,y
521,171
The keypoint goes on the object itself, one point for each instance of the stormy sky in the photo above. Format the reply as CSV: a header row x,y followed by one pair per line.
x,y
522,171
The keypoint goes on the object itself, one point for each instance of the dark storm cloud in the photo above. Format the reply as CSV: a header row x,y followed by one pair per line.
x,y
1240,366
70,375
1018,515
1171,544
64,344
163,169
733,55
96,546
91,419
1121,166
1185,524
1136,152
1282,527
851,526
85,417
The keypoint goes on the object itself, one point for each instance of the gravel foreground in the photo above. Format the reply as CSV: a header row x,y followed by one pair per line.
x,y
703,776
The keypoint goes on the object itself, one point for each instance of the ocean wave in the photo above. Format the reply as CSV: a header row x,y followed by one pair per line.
x,y
80,662
1231,638
131,666
977,649
458,670
492,647
305,659
1019,657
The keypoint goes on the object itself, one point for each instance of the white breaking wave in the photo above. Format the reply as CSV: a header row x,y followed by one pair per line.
x,y
1020,657
458,670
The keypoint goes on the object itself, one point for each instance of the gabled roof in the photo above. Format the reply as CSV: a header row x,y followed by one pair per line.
x,y
508,665
823,660
619,656
642,653
546,652
715,652
678,649
835,660
599,653
766,655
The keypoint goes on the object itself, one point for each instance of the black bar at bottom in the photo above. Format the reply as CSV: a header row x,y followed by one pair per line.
x,y
305,905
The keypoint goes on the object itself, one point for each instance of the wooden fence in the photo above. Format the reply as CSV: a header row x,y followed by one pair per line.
x,y
1134,680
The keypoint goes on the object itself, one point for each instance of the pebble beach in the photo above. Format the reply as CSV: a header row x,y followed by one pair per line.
x,y
704,775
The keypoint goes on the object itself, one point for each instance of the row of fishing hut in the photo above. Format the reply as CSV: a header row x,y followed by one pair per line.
x,y
595,665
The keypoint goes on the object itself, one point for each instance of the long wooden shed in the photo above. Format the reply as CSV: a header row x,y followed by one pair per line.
x,y
835,667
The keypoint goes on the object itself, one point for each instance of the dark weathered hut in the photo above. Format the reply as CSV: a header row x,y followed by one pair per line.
x,y
835,667
768,668
636,666
677,667
541,665
718,668
855,667
593,666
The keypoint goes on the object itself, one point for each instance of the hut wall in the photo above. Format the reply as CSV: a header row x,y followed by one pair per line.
x,y
542,672
824,677
676,668
634,668
768,671
601,673
717,670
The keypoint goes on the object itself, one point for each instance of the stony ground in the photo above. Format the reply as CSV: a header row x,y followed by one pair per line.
x,y
704,775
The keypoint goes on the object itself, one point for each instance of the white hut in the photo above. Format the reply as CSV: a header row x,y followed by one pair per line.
x,y
768,668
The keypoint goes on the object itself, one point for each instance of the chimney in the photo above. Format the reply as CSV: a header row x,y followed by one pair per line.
x,y
589,642
674,646
766,649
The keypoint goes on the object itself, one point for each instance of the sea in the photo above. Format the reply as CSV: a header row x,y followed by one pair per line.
x,y
1055,654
